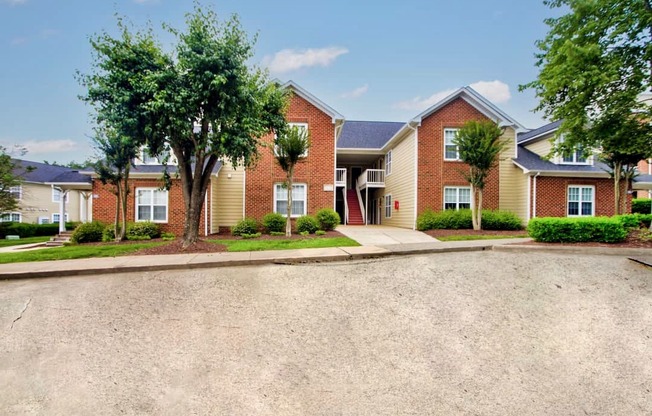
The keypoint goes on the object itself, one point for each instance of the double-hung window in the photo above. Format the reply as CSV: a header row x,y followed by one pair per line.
x,y
56,217
581,201
457,198
577,157
16,192
388,163
450,148
10,217
151,205
298,199
388,206
56,195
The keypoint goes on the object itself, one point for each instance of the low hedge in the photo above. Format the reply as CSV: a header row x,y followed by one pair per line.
x,y
461,220
245,226
307,223
641,206
576,230
24,229
634,220
90,232
274,222
328,219
138,230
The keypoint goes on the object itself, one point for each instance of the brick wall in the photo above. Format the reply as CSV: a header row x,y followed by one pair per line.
x,y
104,204
434,172
552,196
316,170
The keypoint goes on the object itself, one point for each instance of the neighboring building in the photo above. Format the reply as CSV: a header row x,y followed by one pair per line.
x,y
381,172
41,192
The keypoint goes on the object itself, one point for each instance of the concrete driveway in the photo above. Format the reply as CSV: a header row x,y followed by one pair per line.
x,y
483,333
380,235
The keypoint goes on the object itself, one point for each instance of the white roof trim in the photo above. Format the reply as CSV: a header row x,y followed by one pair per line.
x,y
478,102
538,136
562,173
312,99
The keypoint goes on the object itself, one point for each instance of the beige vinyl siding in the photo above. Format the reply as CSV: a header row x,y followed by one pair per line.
x,y
37,202
541,147
227,197
513,183
400,184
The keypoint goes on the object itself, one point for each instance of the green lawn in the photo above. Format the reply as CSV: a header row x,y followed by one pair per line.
x,y
260,245
73,252
479,237
20,242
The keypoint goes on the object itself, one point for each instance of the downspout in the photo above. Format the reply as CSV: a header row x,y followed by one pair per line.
x,y
534,202
528,214
416,171
336,132
206,214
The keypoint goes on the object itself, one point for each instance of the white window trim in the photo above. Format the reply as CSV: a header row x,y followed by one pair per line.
x,y
388,163
560,158
167,205
141,159
20,216
457,196
305,201
579,208
55,200
389,198
56,213
291,124
457,151
17,189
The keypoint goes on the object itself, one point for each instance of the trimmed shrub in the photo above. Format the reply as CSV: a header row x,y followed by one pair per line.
x,y
575,230
328,219
641,206
245,226
320,232
304,233
307,223
136,237
168,236
248,236
277,233
23,229
500,220
108,234
448,219
135,230
274,222
629,220
90,232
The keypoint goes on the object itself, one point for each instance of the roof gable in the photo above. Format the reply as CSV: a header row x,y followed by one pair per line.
x,y
325,108
478,102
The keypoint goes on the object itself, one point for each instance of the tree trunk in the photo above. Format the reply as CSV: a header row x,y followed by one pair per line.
x,y
474,202
118,204
288,221
125,196
479,210
617,170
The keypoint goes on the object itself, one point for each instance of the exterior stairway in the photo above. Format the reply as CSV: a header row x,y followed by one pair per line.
x,y
59,239
355,214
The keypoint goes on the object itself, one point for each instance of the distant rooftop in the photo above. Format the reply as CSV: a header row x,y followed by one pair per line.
x,y
367,134
522,137
44,173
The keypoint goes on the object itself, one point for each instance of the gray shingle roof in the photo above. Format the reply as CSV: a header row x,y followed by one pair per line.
x,y
533,162
367,134
643,179
44,173
536,132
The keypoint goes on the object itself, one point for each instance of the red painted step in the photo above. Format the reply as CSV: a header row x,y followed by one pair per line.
x,y
355,214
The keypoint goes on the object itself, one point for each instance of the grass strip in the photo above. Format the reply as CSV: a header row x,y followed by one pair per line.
x,y
74,252
289,244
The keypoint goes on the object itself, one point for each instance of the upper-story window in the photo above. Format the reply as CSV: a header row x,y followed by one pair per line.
x,y
56,195
578,157
145,158
450,148
16,192
388,163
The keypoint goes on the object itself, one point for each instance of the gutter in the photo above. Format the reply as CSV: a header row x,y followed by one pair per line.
x,y
534,198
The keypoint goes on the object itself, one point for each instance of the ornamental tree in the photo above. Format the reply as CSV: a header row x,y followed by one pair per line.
x,y
478,144
8,180
290,147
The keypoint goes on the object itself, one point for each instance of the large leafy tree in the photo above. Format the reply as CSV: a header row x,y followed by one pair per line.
x,y
595,63
211,106
120,88
479,144
290,148
8,179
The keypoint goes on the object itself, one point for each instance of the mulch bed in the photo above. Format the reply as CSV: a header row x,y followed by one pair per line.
x,y
202,246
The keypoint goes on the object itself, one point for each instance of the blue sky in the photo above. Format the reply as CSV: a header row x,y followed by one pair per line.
x,y
369,60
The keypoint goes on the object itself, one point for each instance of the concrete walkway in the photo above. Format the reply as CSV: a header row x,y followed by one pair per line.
x,y
380,235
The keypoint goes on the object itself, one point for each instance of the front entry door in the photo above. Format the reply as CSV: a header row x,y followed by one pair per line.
x,y
355,172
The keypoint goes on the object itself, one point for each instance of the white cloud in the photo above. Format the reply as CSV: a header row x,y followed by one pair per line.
x,y
49,146
357,92
495,91
18,41
292,59
14,2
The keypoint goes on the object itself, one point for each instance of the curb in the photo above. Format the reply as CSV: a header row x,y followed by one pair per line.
x,y
595,251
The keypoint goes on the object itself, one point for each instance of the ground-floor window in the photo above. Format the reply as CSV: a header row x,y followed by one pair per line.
x,y
57,217
388,206
581,200
457,197
10,217
298,199
151,205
